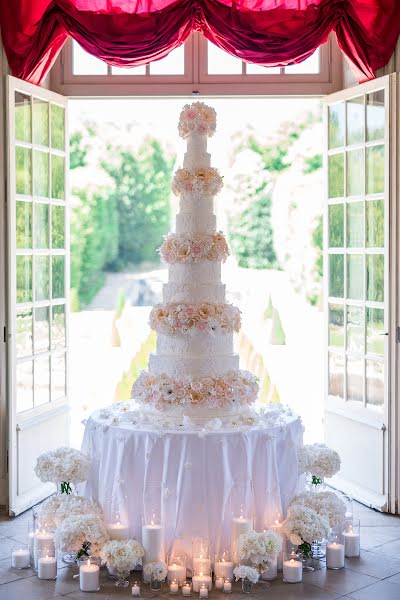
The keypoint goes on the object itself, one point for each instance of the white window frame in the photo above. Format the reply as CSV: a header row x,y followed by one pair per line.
x,y
196,80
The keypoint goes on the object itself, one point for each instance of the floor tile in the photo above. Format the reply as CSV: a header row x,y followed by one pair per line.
x,y
374,564
382,590
340,582
389,549
64,584
372,537
6,547
25,589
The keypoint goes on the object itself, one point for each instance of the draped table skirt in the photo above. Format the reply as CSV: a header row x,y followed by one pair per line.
x,y
197,469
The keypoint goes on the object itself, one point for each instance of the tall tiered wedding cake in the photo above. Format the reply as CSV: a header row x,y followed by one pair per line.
x,y
194,373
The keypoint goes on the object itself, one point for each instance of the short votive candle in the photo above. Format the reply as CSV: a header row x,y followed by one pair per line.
x,y
136,589
219,583
174,587
335,550
89,575
203,591
186,589
47,567
292,569
227,586
20,557
352,539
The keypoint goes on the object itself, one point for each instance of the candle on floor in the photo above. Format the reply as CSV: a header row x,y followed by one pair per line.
x,y
117,530
203,591
136,589
335,556
47,567
201,564
352,539
43,544
153,544
271,572
227,586
21,558
224,569
186,589
292,569
199,580
89,577
219,583
174,587
277,527
177,572
239,526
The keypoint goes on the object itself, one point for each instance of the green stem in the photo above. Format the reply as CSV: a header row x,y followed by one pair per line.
x,y
66,487
305,549
84,551
316,480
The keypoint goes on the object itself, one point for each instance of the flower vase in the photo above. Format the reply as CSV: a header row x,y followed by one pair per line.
x,y
70,558
247,585
155,584
318,549
122,578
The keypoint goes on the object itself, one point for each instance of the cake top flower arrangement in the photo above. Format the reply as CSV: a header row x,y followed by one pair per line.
x,y
197,118
207,182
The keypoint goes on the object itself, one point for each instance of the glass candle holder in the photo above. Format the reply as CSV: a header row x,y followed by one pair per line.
x,y
201,559
186,589
227,589
242,510
20,556
276,526
351,535
153,541
335,549
43,544
201,578
47,563
89,574
177,568
292,568
136,589
203,591
223,566
174,587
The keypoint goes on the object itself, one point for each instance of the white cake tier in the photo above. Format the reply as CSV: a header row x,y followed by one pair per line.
x,y
201,272
196,156
193,366
197,204
198,414
192,222
196,343
191,292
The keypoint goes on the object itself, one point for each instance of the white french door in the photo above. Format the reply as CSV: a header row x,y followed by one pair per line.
x,y
360,274
38,284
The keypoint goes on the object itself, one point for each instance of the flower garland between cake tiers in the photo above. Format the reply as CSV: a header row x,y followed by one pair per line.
x,y
206,317
205,181
197,118
196,247
162,391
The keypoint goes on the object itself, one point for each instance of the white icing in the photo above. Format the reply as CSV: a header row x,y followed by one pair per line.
x,y
196,203
199,414
201,272
195,366
196,156
191,292
193,344
190,222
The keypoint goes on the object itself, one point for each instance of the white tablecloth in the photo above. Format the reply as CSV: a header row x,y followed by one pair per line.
x,y
198,470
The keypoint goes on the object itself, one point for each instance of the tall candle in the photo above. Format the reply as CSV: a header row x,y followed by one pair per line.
x,y
201,564
224,568
21,558
153,545
292,571
277,527
352,544
43,544
199,580
47,567
335,556
177,572
239,526
117,531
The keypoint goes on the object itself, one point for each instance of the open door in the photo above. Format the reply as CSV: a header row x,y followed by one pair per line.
x,y
360,275
38,284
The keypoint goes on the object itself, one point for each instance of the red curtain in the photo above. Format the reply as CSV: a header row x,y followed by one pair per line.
x,y
135,32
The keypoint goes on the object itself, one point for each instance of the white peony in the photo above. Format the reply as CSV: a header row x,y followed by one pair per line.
x,y
305,524
156,570
319,460
78,530
245,572
326,504
122,555
62,465
258,548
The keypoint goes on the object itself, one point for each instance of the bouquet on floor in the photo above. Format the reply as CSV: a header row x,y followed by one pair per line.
x,y
246,572
303,526
259,548
122,555
83,535
64,466
326,504
156,570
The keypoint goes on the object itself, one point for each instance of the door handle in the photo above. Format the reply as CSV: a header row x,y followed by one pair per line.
x,y
387,333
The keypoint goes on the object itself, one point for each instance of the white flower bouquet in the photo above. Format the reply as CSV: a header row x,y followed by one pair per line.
x,y
318,460
303,526
245,572
326,504
83,535
197,118
156,570
259,548
122,555
62,466
59,507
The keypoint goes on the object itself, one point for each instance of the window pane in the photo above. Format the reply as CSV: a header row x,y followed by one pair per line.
x,y
336,275
355,329
336,125
355,120
42,381
58,277
336,375
128,70
252,69
336,325
22,117
57,226
58,376
86,64
42,278
355,379
41,225
24,278
375,330
355,276
24,384
40,122
40,173
23,171
57,177
375,277
58,326
23,339
375,169
336,175
57,127
375,224
336,226
173,64
355,224
222,63
376,115
42,329
355,173
24,225
310,65
375,372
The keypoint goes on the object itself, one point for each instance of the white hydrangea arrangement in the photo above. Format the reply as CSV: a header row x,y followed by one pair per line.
x,y
157,570
303,526
59,507
122,555
84,535
318,460
259,548
62,466
326,504
246,572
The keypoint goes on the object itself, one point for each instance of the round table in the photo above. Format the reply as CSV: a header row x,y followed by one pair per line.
x,y
198,468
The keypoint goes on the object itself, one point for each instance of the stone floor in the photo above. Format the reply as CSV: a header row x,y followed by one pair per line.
x,y
374,576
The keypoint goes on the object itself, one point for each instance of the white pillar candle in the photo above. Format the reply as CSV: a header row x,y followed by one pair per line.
x,y
177,572
174,587
239,526
43,544
219,583
117,531
335,556
224,568
153,545
204,591
47,567
277,527
31,539
352,544
292,571
89,577
21,558
186,589
198,580
201,564
136,589
227,587
272,572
